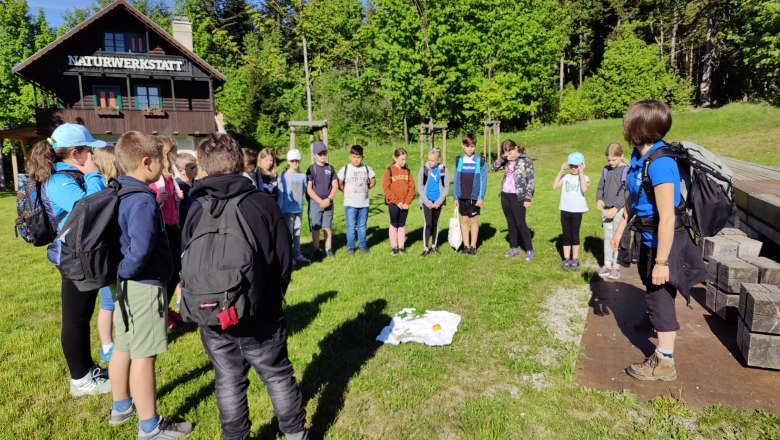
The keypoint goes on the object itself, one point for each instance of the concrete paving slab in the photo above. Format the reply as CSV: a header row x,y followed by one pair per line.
x,y
710,368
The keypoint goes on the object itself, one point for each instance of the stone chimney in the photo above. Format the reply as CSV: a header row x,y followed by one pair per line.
x,y
182,31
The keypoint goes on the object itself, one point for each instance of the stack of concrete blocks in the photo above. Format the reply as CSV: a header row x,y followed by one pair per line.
x,y
758,327
727,255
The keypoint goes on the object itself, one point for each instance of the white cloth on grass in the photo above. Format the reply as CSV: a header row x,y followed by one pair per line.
x,y
408,325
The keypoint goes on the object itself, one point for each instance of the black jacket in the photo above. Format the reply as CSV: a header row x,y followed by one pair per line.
x,y
265,219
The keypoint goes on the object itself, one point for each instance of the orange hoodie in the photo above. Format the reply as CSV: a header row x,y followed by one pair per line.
x,y
398,188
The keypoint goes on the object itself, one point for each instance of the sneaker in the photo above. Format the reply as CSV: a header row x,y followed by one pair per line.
x,y
513,252
350,252
119,417
566,264
473,251
105,357
364,251
300,259
316,254
656,367
529,256
604,271
95,382
614,273
166,430
425,252
329,253
402,250
394,252
574,264
435,250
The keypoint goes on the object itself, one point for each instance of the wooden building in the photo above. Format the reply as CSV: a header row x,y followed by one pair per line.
x,y
119,71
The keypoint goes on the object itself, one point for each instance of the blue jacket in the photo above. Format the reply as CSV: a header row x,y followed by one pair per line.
x,y
480,179
145,251
60,193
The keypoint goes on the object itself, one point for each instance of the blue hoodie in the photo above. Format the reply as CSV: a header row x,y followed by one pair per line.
x,y
146,254
480,179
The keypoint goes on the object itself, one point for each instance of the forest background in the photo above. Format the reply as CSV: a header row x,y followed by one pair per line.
x,y
378,69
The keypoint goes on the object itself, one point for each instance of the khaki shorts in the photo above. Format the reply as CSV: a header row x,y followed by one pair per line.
x,y
146,320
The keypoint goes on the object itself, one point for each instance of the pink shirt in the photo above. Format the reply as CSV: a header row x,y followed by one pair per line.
x,y
509,178
170,207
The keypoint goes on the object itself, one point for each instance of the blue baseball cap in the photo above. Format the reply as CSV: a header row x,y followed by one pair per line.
x,y
74,135
576,159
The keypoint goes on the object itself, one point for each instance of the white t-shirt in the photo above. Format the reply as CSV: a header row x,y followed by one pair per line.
x,y
356,184
572,198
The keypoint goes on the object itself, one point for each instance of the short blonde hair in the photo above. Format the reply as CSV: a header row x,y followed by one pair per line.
x,y
105,159
133,146
184,159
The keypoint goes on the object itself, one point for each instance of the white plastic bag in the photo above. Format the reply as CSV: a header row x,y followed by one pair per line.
x,y
453,235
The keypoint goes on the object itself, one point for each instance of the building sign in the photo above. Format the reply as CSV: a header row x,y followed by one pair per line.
x,y
113,62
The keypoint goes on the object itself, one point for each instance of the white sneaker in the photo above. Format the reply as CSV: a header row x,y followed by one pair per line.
x,y
95,382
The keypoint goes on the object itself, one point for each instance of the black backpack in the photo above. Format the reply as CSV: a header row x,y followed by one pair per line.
x,y
707,195
36,222
89,239
219,266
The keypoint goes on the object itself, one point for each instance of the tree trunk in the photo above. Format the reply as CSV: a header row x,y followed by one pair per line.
x,y
308,80
708,61
560,83
673,43
406,130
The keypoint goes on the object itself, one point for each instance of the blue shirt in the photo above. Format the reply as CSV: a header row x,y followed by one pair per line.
x,y
292,187
662,170
433,190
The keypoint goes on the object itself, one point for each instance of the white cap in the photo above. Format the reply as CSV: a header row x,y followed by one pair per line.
x,y
293,154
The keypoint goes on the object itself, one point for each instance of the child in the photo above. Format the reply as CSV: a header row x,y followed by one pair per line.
x,y
610,200
321,191
355,179
187,166
517,189
572,205
398,185
669,260
63,166
169,195
261,341
143,272
292,187
433,186
267,180
468,191
105,159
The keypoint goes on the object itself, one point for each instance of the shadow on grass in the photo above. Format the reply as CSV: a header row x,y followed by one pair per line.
x,y
595,246
188,376
342,355
299,316
181,329
626,303
520,239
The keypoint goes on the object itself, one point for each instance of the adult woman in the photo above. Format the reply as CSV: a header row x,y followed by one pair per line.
x,y
64,167
668,260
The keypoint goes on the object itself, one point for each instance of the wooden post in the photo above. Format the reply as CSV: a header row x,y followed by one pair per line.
x,y
498,139
2,173
444,144
422,142
81,94
173,94
14,166
23,142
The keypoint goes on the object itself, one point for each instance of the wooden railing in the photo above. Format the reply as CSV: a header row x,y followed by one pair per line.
x,y
171,122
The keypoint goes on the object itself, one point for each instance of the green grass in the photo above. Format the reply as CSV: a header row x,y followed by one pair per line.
x,y
504,376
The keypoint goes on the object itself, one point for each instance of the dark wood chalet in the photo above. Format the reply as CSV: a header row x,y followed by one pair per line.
x,y
119,71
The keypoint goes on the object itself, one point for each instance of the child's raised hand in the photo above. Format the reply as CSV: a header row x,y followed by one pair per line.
x,y
564,167
582,167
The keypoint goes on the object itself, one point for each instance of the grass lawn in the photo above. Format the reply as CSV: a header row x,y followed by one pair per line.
x,y
506,375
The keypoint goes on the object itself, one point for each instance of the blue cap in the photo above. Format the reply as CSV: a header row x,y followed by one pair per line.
x,y
576,159
74,135
318,147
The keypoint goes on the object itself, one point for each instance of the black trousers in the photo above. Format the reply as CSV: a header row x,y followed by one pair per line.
x,y
514,211
431,225
77,310
174,242
570,224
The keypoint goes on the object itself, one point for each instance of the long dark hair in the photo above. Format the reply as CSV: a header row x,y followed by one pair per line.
x,y
40,164
396,154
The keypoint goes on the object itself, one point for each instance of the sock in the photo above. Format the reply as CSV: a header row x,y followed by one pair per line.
x,y
149,425
122,405
667,353
107,347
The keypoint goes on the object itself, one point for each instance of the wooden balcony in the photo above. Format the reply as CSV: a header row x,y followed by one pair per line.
x,y
171,122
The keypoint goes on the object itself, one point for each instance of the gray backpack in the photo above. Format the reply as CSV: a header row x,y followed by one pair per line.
x,y
219,266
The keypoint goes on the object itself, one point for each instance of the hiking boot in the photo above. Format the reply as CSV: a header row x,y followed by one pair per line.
x,y
364,250
350,252
566,264
119,417
300,259
95,382
394,252
529,256
604,271
513,252
425,252
166,430
614,273
329,253
105,357
656,367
